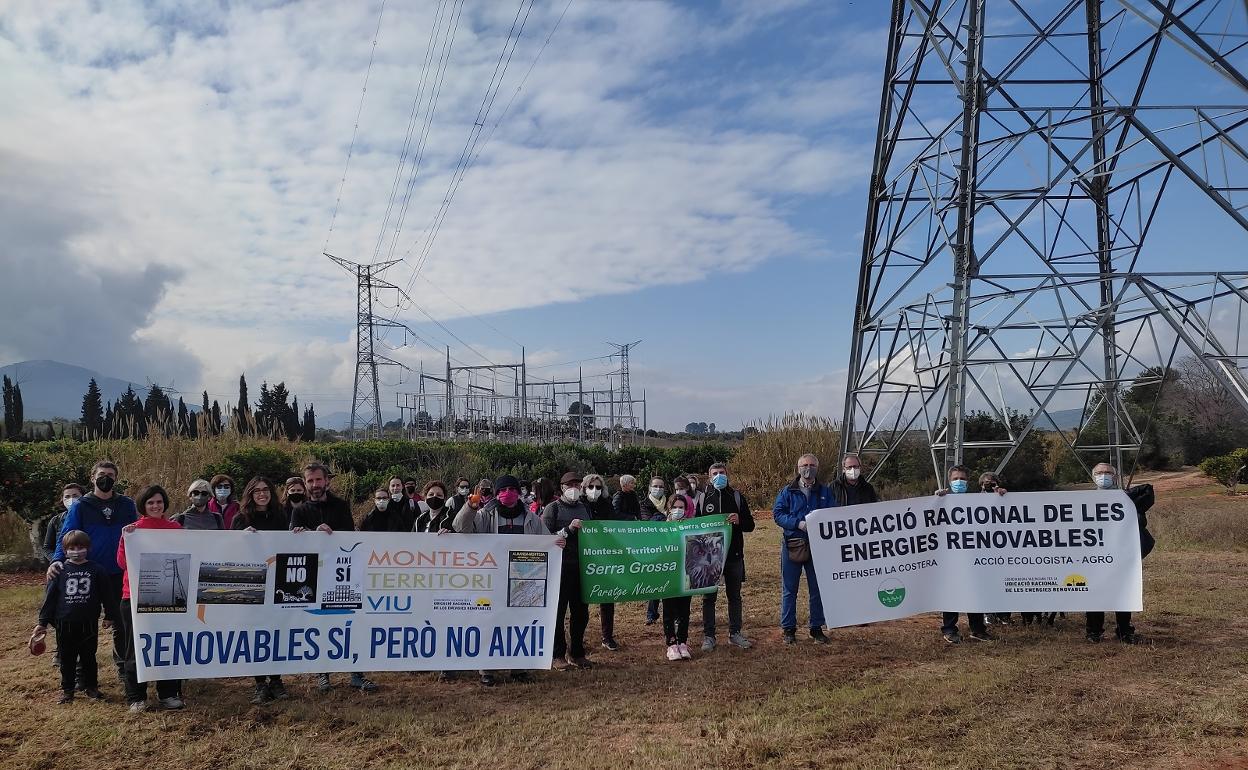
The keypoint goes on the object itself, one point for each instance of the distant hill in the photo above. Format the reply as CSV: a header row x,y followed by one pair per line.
x,y
52,389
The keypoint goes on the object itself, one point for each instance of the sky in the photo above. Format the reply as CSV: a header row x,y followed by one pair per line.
x,y
691,175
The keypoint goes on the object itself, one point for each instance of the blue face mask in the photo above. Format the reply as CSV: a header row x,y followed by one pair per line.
x,y
720,481
958,486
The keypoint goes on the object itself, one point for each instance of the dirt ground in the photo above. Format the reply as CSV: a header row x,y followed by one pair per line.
x,y
885,696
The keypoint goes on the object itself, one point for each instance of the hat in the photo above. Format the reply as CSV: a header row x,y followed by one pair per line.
x,y
506,481
571,477
199,485
38,642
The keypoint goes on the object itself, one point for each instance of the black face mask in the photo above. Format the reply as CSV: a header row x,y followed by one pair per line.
x,y
410,490
295,498
435,503
105,484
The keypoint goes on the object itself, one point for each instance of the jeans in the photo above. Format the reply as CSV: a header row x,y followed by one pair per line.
x,y
652,610
571,641
136,691
734,576
606,615
676,619
1122,621
973,619
791,578
77,643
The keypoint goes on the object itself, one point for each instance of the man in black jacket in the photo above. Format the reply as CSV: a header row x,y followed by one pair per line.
x,y
325,512
1105,476
850,487
720,498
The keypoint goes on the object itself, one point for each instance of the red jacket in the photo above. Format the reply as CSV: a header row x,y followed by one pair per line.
x,y
144,522
227,513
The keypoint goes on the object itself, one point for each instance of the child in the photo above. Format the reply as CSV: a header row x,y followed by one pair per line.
x,y
73,603
676,609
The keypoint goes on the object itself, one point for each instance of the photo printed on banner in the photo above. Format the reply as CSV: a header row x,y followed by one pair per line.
x,y
527,573
704,559
224,582
294,579
163,579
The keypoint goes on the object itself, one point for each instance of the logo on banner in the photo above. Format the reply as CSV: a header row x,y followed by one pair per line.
x,y
1075,580
345,592
294,580
891,593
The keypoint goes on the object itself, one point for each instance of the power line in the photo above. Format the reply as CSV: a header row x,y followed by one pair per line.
x,y
472,315
355,131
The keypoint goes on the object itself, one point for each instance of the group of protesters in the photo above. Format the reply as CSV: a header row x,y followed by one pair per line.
x,y
87,571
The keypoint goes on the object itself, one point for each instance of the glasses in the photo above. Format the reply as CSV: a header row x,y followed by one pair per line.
x,y
199,494
262,491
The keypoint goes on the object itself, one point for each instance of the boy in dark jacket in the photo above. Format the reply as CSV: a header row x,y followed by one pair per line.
x,y
72,603
720,498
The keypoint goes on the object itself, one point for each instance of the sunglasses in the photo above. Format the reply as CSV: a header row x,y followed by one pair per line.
x,y
199,494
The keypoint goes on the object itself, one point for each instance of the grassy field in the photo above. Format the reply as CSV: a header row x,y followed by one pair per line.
x,y
890,695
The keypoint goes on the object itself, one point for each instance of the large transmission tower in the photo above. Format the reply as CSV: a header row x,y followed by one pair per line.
x,y
366,396
1048,178
626,396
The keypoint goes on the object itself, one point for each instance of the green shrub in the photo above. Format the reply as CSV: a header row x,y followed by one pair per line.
x,y
1225,469
244,464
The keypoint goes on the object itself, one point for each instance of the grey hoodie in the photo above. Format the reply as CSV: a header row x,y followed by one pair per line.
x,y
192,518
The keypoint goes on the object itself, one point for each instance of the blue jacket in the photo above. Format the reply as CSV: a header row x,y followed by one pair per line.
x,y
792,506
102,520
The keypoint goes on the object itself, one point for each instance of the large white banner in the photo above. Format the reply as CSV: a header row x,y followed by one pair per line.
x,y
1019,552
214,604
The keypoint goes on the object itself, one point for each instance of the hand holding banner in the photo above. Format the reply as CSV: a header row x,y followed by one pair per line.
x,y
624,561
1021,552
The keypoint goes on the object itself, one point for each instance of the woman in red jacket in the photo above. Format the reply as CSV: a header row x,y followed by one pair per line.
x,y
153,505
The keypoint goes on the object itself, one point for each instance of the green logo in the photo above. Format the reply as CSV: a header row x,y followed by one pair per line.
x,y
891,593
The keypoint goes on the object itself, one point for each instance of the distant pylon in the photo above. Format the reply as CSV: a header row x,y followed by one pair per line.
x,y
626,398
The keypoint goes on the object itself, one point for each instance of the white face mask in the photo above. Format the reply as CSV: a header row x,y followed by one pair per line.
x,y
223,493
396,496
593,494
572,494
1104,480
68,501
75,554
852,473
658,493
382,504
463,490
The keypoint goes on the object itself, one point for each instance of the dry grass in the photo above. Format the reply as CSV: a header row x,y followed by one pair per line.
x,y
885,696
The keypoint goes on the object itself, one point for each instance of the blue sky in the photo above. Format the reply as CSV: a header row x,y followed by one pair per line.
x,y
689,174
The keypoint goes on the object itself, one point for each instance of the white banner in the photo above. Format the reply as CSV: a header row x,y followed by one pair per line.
x,y
216,604
1019,552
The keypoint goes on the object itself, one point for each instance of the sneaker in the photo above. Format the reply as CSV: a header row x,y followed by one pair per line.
x,y
1129,637
790,636
261,695
818,635
172,703
68,697
524,677
738,640
560,663
138,707
673,652
1094,638
982,635
94,693
363,683
487,680
708,644
684,651
580,662
277,691
952,637
322,683
611,644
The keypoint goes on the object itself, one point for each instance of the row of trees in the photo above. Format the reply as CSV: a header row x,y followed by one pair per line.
x,y
134,417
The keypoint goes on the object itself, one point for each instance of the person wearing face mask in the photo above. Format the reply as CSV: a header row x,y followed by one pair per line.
x,y
412,490
959,483
564,517
462,490
720,498
388,515
804,495
1105,477
654,508
849,487
600,508
680,486
989,483
52,527
399,498
435,515
199,515
101,514
503,515
296,493
676,608
222,500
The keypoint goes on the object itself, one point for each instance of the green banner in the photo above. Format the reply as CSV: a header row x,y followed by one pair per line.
x,y
627,561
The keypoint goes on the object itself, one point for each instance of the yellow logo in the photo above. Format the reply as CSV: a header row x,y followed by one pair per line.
x,y
1075,580
484,601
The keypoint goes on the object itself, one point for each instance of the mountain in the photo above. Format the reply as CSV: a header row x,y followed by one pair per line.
x,y
53,389
331,421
